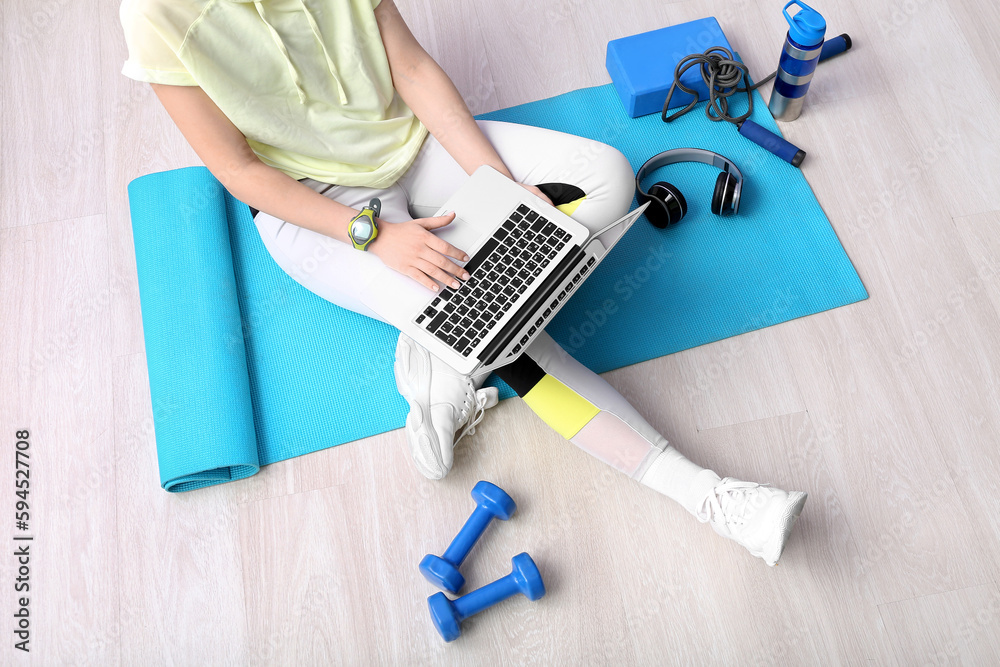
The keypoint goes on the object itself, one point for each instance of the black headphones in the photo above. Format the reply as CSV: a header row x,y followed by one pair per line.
x,y
667,204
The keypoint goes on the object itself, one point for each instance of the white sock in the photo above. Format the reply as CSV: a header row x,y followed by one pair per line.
x,y
679,479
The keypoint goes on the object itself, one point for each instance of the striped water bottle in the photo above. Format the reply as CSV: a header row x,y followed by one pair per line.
x,y
803,45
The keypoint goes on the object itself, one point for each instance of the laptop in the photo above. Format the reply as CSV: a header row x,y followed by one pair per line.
x,y
526,259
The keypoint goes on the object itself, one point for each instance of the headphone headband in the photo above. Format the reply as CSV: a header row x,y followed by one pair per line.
x,y
669,204
686,155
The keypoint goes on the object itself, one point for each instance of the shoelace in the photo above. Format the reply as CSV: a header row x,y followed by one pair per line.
x,y
729,501
482,397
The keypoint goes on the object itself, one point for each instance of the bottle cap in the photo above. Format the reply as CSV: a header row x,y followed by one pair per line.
x,y
807,27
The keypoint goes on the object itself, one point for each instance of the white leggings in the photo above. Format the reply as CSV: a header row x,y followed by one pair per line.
x,y
335,270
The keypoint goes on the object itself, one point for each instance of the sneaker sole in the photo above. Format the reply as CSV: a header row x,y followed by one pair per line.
x,y
422,439
793,508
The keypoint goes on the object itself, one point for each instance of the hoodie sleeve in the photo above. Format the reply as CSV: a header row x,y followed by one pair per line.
x,y
154,31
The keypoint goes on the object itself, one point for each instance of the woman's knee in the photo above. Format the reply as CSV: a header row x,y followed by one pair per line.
x,y
600,170
611,182
620,180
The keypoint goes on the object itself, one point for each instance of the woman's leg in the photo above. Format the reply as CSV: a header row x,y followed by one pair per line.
x,y
588,412
591,181
577,402
340,274
534,156
323,265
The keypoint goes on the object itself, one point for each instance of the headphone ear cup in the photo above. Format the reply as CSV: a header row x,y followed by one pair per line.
x,y
668,205
722,197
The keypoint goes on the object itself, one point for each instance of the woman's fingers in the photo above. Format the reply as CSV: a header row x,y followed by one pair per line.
x,y
446,248
442,262
438,244
421,277
422,256
436,221
437,273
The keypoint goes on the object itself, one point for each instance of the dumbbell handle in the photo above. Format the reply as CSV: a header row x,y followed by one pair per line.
x,y
475,601
468,536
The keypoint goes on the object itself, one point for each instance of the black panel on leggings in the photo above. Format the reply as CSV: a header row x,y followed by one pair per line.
x,y
521,374
561,193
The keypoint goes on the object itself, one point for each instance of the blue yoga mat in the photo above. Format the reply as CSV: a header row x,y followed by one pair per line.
x,y
247,367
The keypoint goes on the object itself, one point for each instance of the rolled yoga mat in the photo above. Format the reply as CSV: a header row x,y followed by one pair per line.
x,y
247,367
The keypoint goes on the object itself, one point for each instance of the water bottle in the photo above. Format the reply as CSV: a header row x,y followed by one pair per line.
x,y
799,56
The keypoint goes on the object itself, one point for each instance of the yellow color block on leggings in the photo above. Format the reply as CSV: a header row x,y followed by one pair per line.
x,y
559,406
570,206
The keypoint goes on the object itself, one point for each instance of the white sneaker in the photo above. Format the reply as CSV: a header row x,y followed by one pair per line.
x,y
445,406
757,516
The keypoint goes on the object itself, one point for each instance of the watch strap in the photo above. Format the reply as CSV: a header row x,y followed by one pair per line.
x,y
371,211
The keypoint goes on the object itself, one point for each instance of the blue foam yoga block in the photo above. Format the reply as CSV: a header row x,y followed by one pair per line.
x,y
642,66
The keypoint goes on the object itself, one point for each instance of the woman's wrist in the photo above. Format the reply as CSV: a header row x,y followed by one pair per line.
x,y
377,246
269,190
493,161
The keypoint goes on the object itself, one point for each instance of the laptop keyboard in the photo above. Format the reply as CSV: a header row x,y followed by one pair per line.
x,y
499,273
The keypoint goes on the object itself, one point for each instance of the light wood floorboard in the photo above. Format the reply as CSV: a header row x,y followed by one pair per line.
x,y
52,129
180,585
885,410
56,382
966,624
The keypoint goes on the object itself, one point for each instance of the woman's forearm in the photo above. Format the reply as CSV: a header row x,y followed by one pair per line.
x,y
272,191
432,96
405,246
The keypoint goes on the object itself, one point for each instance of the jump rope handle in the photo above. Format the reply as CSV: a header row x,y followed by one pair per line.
x,y
835,46
773,143
770,141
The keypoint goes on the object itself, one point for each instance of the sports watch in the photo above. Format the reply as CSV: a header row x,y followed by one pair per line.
x,y
363,229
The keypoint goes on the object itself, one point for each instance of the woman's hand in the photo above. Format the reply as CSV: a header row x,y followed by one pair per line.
x,y
410,248
535,191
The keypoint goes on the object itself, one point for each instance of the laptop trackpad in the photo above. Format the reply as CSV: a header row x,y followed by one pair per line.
x,y
462,234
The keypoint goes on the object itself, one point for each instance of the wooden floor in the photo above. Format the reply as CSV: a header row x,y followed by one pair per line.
x,y
885,411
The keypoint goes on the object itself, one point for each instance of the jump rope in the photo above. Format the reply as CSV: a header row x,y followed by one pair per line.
x,y
722,75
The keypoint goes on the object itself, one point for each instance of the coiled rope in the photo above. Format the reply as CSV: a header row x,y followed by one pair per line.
x,y
722,75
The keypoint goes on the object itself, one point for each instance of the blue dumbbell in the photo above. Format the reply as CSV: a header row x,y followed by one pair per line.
x,y
491,501
449,614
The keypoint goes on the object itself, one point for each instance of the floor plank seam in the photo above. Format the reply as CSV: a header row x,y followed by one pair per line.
x,y
925,595
751,421
989,211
